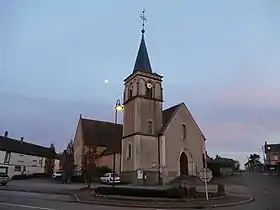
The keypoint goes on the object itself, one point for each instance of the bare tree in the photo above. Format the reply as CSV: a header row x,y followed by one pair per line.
x,y
50,161
68,162
89,157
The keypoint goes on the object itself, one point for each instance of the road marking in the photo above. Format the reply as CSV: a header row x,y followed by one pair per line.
x,y
24,206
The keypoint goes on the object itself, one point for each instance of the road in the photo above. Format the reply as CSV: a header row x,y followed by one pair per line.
x,y
13,200
264,188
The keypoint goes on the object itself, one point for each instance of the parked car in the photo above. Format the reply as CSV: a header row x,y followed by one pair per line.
x,y
4,175
76,176
109,177
57,174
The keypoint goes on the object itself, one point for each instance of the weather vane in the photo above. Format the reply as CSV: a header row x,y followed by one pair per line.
x,y
144,19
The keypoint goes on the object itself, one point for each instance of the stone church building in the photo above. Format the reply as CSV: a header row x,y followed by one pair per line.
x,y
164,144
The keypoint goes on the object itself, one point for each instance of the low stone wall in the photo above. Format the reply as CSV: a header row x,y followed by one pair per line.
x,y
131,178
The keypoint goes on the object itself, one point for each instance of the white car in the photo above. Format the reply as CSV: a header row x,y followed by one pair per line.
x,y
57,174
108,178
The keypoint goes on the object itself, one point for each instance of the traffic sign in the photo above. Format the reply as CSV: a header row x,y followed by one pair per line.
x,y
205,174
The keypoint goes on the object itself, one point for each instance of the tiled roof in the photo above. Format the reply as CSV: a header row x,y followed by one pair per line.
x,y
22,147
102,133
105,134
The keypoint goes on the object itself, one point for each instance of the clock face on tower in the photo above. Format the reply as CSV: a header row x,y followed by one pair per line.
x,y
149,85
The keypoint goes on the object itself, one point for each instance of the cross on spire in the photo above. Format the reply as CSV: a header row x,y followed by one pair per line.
x,y
142,62
144,19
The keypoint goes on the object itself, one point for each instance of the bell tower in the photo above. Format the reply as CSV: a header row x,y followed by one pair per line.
x,y
142,116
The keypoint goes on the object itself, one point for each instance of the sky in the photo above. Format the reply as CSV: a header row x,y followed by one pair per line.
x,y
219,57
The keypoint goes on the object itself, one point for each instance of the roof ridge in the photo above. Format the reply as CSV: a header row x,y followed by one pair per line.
x,y
175,107
172,106
108,122
24,141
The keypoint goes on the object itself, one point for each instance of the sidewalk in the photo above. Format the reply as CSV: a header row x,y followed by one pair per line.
x,y
42,186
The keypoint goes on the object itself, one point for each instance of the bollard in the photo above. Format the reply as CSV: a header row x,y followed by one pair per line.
x,y
192,192
221,189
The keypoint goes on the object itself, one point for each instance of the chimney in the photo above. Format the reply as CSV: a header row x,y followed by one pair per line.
x,y
6,134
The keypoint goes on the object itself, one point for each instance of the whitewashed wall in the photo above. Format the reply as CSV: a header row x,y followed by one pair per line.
x,y
24,164
32,164
56,165
2,156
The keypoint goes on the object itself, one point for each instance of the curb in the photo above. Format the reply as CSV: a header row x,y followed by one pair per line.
x,y
36,191
193,206
111,198
251,199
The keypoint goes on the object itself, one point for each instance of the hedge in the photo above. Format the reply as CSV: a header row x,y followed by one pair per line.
x,y
139,192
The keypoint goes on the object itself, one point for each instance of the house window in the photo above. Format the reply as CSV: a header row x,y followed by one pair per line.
x,y
184,131
150,127
149,92
275,157
129,151
35,161
17,168
7,158
130,92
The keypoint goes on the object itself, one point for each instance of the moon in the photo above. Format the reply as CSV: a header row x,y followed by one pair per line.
x,y
106,81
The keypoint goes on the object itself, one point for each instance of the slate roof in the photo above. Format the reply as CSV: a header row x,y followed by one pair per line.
x,y
102,133
222,161
142,62
22,147
167,115
272,148
170,112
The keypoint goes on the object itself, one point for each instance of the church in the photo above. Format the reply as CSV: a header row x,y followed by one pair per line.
x,y
161,144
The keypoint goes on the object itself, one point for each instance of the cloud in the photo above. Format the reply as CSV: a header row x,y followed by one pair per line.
x,y
236,121
46,121
240,119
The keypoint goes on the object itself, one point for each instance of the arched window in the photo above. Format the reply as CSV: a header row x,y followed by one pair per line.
x,y
130,92
149,92
150,127
128,151
184,131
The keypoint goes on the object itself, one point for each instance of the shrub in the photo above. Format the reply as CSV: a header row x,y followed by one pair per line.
x,y
139,192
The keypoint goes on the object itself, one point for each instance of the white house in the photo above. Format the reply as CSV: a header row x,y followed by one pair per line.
x,y
28,159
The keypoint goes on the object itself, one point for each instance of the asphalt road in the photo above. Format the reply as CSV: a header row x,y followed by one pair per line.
x,y
265,189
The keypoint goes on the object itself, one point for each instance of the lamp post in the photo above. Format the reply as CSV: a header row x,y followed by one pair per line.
x,y
205,175
263,154
118,107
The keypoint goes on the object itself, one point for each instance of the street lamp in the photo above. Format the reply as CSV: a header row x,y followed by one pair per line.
x,y
263,154
118,107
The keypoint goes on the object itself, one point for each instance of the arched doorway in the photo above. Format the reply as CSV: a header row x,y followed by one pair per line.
x,y
184,168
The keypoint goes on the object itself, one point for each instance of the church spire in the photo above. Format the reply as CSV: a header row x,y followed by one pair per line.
x,y
142,62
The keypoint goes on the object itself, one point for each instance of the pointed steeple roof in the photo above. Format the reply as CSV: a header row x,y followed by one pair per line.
x,y
142,62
